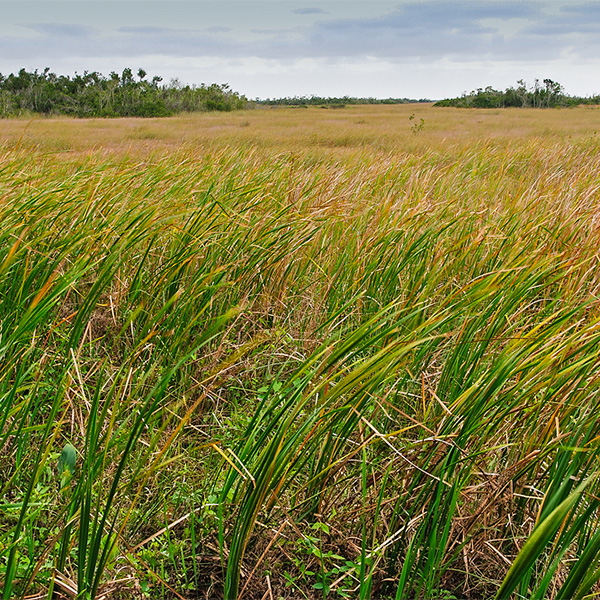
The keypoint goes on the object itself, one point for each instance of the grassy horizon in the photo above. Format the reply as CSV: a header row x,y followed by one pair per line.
x,y
313,131
301,353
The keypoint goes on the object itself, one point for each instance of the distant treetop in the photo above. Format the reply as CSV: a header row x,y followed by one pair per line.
x,y
333,102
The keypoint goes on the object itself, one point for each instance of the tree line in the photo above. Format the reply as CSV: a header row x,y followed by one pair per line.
x,y
306,101
92,94
545,94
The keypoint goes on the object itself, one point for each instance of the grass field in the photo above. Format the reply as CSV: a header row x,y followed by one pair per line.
x,y
301,354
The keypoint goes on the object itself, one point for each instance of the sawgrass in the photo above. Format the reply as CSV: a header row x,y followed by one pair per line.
x,y
314,131
301,353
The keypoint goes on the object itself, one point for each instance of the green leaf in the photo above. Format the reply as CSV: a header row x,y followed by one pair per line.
x,y
582,576
67,460
535,545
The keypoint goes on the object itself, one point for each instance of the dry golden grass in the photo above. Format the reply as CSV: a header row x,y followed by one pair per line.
x,y
319,132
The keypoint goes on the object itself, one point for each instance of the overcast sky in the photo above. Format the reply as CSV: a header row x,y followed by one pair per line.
x,y
274,48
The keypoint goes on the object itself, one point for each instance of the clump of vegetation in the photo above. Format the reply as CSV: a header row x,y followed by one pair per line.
x,y
416,127
94,95
549,95
249,373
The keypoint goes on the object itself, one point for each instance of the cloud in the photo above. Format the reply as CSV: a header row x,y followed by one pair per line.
x,y
462,31
219,29
587,10
416,31
310,11
123,42
577,19
270,32
147,30
60,29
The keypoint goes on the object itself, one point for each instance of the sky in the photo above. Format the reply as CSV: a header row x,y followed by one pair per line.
x,y
276,48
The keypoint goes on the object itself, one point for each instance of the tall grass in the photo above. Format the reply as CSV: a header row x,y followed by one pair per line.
x,y
373,375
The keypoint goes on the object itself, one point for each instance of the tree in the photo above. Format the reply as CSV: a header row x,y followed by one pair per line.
x,y
127,77
554,92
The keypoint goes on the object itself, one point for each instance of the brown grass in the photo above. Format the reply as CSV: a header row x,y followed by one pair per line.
x,y
316,131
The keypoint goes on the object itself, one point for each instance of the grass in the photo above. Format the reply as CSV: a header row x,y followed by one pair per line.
x,y
313,132
300,353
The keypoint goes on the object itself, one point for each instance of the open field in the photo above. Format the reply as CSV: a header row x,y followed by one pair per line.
x,y
301,354
312,131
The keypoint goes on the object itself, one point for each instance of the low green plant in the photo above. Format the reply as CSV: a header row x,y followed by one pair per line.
x,y
416,127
